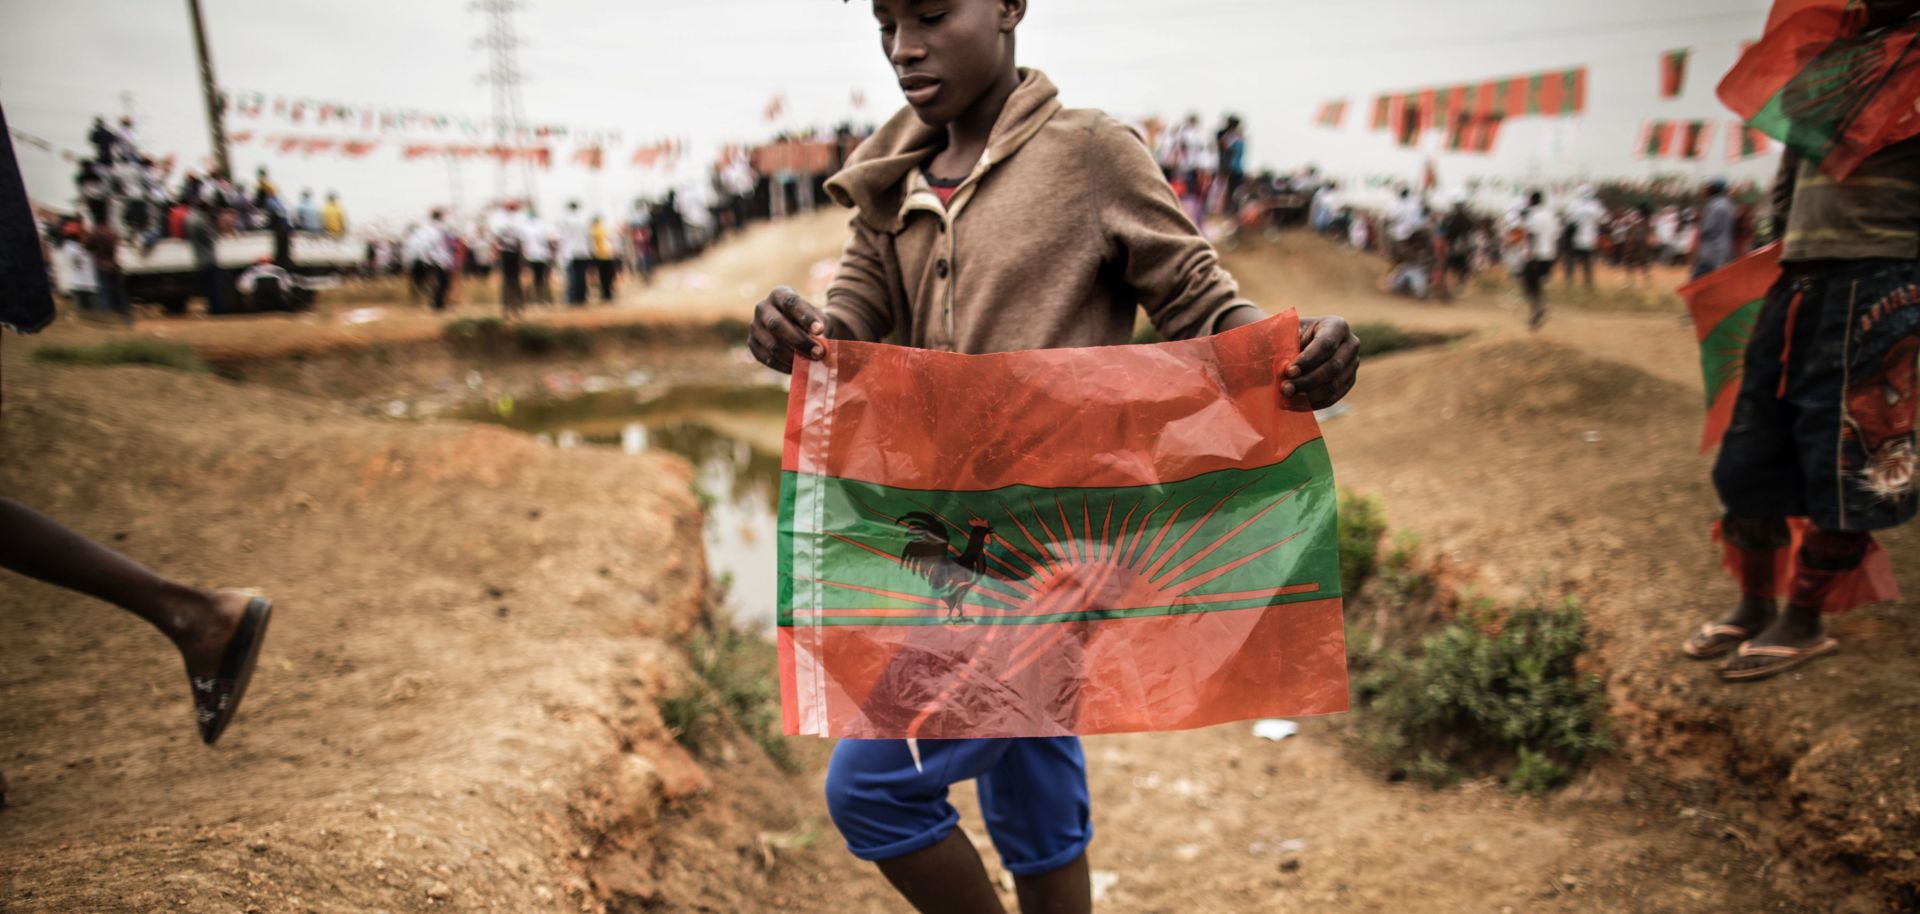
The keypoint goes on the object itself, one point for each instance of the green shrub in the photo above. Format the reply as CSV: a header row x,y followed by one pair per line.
x,y
733,682
536,339
574,339
133,350
1362,525
1509,703
474,328
733,329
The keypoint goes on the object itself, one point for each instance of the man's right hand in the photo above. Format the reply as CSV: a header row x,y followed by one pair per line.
x,y
784,325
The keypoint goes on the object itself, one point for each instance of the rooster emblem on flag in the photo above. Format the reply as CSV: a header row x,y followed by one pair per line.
x,y
930,555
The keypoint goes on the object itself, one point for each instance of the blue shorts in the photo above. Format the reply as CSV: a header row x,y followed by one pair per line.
x,y
1033,794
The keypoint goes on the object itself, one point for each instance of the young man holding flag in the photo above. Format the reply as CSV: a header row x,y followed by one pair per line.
x,y
1823,426
992,219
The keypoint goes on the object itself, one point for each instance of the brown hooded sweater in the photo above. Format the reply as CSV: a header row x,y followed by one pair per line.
x,y
1063,229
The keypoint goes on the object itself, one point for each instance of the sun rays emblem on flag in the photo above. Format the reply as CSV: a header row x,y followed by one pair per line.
x,y
1061,560
1126,539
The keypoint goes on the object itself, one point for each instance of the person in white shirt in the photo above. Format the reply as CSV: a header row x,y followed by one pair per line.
x,y
429,254
576,251
1407,216
536,248
1327,203
1666,235
74,272
504,229
1543,238
1585,216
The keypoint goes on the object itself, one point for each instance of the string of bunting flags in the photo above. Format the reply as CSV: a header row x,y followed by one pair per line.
x,y
592,156
252,104
1665,139
1331,114
1690,140
1471,114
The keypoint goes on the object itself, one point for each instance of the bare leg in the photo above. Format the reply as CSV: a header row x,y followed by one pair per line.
x,y
199,622
1067,890
947,878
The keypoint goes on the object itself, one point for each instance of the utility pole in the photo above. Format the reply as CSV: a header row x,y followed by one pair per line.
x,y
210,92
503,76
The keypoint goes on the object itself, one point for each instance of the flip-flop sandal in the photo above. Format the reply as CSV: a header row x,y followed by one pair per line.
x,y
216,698
1773,659
1715,639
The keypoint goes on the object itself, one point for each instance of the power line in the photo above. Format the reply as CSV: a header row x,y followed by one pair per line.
x,y
503,76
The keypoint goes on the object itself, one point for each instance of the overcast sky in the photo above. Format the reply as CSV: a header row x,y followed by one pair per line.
x,y
704,70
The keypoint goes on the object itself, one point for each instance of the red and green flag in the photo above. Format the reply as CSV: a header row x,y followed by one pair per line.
x,y
1332,113
1656,139
1693,140
1673,72
1380,113
1725,305
1745,143
1827,90
1054,542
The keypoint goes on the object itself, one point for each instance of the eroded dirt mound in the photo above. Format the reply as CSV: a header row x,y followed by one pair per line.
x,y
454,707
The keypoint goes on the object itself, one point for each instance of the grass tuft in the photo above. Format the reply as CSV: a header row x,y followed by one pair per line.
x,y
135,350
1362,525
732,688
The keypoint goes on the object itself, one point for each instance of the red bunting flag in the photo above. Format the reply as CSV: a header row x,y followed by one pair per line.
x,y
1331,113
1745,143
1664,139
1673,72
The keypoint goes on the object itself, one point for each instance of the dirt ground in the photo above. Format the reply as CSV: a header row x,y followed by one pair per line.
x,y
455,709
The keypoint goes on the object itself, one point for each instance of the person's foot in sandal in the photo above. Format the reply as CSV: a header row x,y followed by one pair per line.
x,y
220,648
1793,639
1720,638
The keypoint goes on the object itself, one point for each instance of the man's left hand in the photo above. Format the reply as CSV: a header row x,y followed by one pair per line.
x,y
1328,365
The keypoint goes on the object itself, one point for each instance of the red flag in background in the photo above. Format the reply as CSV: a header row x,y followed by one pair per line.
x,y
1693,140
1744,142
1331,113
589,156
1656,139
1673,72
1456,105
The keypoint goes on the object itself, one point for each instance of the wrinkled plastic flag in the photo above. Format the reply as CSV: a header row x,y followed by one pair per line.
x,y
1053,542
1725,304
1825,89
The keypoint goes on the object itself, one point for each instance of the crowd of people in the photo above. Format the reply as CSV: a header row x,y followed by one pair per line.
x,y
125,199
1433,249
586,252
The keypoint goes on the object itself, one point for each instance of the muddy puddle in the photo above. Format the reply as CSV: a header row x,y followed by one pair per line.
x,y
731,433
